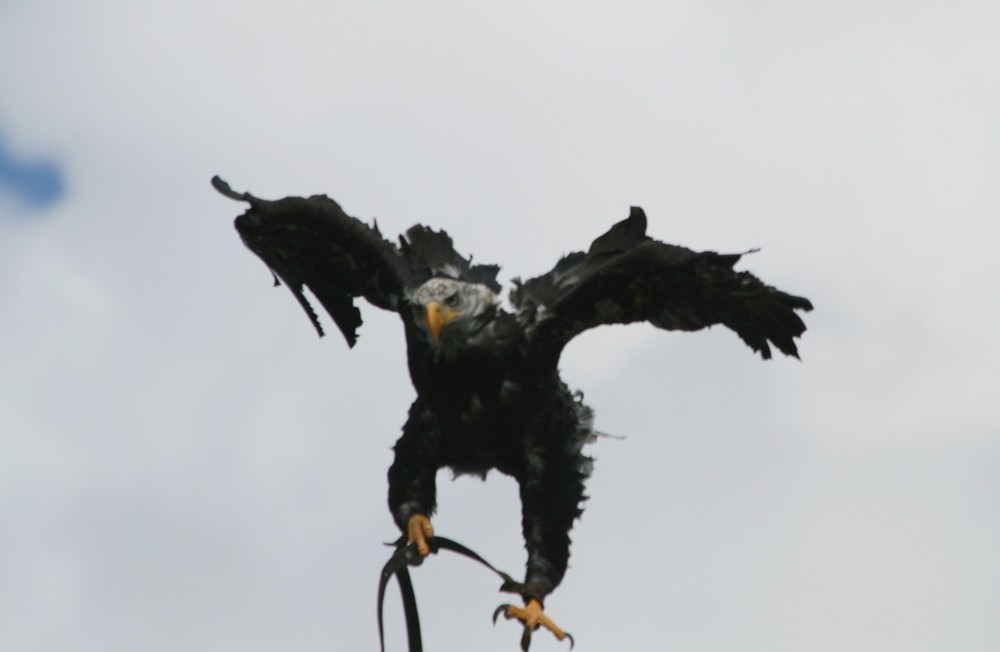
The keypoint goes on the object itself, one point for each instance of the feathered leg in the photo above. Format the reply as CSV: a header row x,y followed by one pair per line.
x,y
412,487
551,492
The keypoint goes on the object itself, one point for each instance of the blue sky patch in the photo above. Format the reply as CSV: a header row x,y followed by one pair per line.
x,y
38,183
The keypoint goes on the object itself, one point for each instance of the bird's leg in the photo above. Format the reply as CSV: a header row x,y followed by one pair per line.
x,y
533,617
418,530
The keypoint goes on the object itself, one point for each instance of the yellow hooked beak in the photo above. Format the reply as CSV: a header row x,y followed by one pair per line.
x,y
437,316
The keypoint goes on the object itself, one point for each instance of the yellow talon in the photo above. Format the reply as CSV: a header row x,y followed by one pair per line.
x,y
533,617
418,530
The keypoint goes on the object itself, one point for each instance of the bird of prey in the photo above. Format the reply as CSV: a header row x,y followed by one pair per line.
x,y
489,395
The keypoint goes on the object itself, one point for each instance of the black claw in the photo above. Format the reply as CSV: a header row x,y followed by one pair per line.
x,y
501,609
571,642
526,639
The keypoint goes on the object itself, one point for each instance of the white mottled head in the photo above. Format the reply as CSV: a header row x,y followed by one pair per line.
x,y
451,311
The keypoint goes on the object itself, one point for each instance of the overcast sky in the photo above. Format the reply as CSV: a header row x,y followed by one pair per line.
x,y
185,466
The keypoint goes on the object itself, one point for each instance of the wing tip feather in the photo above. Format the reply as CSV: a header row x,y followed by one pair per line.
x,y
226,190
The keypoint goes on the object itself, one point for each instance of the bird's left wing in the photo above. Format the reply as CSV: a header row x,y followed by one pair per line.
x,y
312,242
627,276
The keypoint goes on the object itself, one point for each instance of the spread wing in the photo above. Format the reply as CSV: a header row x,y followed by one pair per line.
x,y
311,242
627,276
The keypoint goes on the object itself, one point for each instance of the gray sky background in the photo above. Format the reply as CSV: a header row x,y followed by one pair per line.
x,y
185,466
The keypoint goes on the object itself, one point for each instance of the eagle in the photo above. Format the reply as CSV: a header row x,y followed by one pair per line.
x,y
489,394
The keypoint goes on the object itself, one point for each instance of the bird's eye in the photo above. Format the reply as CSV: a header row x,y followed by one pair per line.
x,y
452,300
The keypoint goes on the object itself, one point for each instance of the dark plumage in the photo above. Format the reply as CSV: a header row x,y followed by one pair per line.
x,y
489,394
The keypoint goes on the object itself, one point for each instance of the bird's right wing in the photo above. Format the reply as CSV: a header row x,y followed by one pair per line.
x,y
312,242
